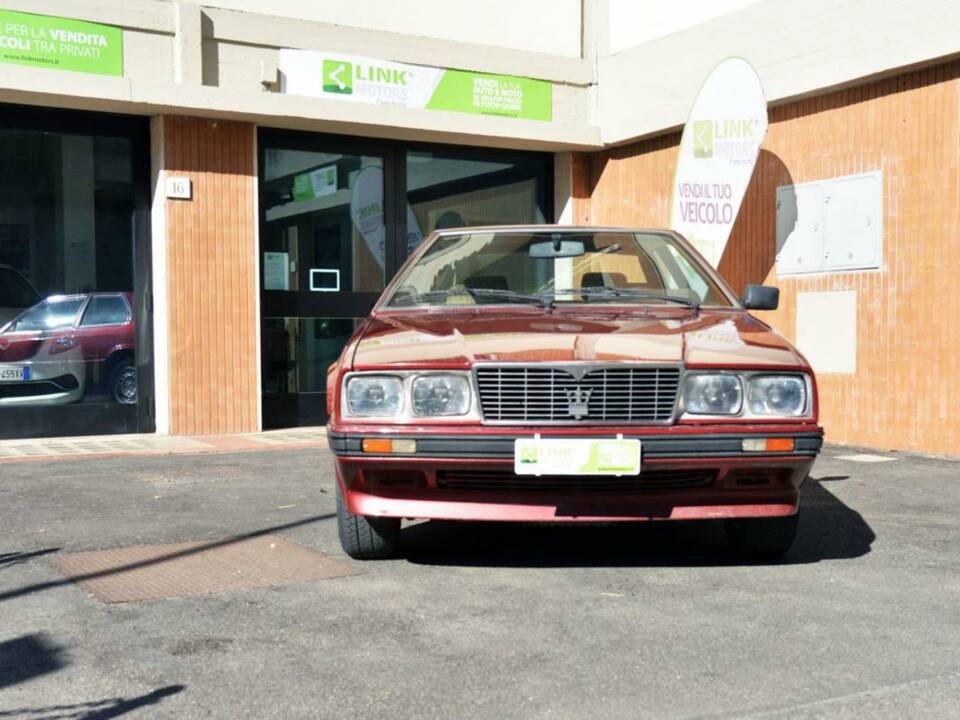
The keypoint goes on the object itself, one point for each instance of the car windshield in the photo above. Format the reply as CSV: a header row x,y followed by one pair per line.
x,y
556,268
53,314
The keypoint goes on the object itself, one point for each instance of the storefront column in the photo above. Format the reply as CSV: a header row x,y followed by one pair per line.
x,y
211,281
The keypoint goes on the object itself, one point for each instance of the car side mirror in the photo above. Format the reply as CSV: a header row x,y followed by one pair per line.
x,y
761,297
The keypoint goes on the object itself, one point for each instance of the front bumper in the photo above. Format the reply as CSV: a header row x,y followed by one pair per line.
x,y
685,474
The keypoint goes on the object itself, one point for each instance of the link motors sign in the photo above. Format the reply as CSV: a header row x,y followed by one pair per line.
x,y
351,78
720,145
60,43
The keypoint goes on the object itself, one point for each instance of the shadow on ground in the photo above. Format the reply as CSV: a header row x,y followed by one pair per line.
x,y
28,657
18,558
96,709
829,530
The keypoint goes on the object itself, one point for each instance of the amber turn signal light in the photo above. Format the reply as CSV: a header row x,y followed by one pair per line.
x,y
387,446
768,445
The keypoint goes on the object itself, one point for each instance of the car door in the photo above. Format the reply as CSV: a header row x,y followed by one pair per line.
x,y
40,338
105,328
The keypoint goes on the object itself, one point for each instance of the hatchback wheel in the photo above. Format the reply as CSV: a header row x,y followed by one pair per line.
x,y
762,537
366,538
123,383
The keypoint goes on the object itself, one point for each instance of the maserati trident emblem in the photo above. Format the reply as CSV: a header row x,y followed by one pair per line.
x,y
578,402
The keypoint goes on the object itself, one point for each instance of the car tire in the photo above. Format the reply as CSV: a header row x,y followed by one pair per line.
x,y
366,538
123,383
764,538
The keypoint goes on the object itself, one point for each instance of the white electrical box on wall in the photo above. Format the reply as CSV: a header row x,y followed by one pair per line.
x,y
827,330
830,225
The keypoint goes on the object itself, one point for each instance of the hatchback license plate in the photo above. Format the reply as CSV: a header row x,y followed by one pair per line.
x,y
14,373
576,456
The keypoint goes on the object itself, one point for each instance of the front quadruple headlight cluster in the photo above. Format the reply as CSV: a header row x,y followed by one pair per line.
x,y
752,395
420,395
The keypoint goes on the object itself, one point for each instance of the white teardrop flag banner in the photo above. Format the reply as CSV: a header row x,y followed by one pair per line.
x,y
719,149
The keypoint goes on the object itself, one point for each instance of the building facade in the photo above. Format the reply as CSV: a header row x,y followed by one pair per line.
x,y
201,200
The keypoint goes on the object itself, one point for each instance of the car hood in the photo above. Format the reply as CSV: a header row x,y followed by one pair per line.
x,y
462,338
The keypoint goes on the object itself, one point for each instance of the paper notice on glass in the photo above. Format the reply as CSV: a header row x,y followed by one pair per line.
x,y
276,271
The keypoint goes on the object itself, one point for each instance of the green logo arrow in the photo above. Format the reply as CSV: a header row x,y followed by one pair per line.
x,y
703,138
337,77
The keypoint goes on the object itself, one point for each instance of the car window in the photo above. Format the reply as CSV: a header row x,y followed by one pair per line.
x,y
15,292
49,315
498,266
106,310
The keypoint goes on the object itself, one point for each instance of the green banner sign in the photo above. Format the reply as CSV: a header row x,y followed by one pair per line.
x,y
352,78
60,43
482,94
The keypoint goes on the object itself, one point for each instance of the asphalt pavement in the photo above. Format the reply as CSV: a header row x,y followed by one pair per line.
x,y
862,619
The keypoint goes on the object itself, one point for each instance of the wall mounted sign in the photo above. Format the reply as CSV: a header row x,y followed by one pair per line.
x,y
60,43
276,271
718,151
352,78
316,183
178,188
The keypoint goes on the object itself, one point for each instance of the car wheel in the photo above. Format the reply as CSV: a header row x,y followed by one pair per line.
x,y
123,383
762,537
366,538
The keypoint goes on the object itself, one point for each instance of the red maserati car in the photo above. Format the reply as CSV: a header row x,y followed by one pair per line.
x,y
569,374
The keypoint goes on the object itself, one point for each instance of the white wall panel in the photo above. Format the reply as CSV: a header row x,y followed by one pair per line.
x,y
827,330
546,26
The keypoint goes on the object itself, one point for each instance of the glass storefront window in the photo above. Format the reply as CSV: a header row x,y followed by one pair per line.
x,y
338,217
68,350
448,190
301,350
324,229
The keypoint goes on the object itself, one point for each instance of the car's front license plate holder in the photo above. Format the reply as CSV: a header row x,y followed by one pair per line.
x,y
576,456
14,373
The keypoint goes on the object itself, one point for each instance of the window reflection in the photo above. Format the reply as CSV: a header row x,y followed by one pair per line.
x,y
448,190
325,228
298,351
66,255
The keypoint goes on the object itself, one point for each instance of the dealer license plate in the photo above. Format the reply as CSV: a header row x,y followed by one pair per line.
x,y
14,373
576,456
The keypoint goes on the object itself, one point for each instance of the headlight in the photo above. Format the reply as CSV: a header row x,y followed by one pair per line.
x,y
441,395
374,395
713,394
777,395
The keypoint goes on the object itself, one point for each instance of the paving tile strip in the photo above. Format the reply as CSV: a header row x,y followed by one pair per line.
x,y
155,572
19,450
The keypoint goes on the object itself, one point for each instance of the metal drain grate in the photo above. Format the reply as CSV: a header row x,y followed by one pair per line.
x,y
152,572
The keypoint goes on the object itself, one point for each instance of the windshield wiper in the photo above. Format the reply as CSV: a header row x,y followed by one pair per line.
x,y
509,295
476,293
611,292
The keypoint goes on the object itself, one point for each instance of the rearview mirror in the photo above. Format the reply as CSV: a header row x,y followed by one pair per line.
x,y
557,249
761,297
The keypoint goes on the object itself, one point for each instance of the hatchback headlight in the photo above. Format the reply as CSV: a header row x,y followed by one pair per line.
x,y
441,395
713,394
374,395
777,395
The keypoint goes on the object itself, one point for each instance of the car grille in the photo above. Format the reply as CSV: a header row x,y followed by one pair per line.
x,y
545,394
487,480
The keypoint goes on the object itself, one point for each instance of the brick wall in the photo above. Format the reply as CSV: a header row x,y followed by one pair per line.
x,y
905,393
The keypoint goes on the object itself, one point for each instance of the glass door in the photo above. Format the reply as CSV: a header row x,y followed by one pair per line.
x,y
326,250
